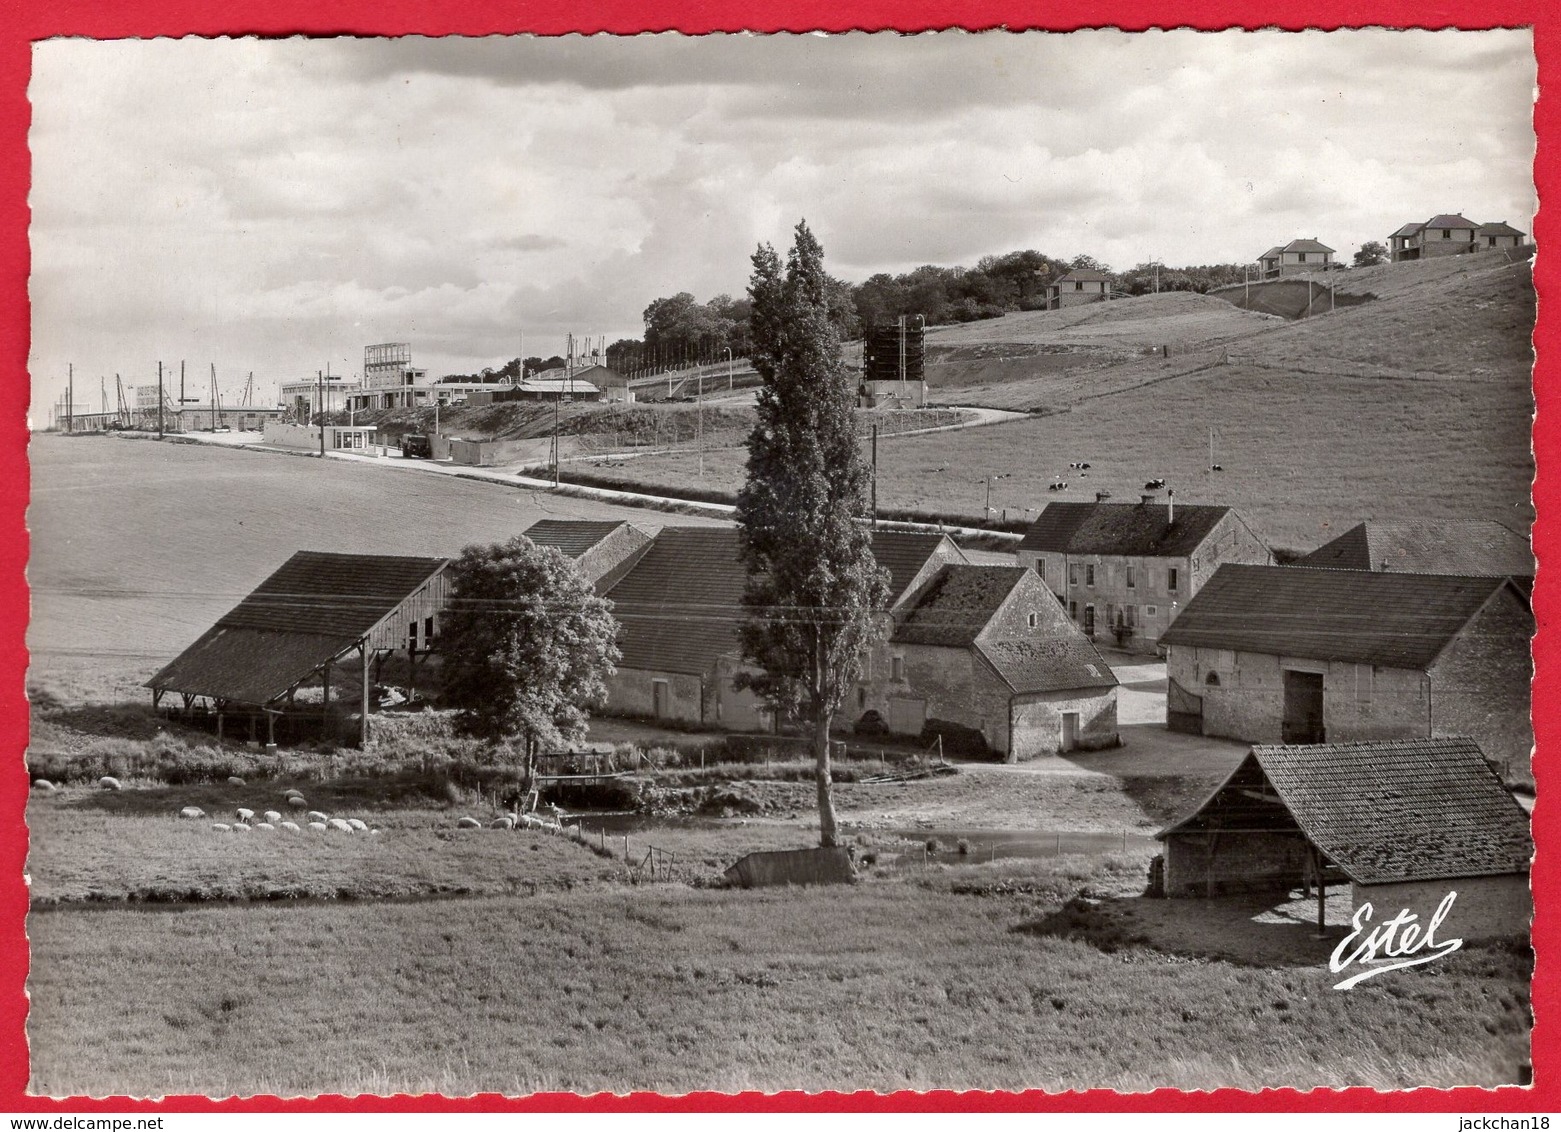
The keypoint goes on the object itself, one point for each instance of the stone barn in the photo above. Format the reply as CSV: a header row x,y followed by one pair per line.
x,y
603,550
319,615
1403,822
1468,547
985,653
1282,654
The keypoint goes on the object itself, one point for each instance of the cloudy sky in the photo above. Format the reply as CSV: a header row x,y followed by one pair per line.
x,y
273,206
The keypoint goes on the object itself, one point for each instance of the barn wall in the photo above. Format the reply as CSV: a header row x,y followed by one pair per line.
x,y
1360,701
1480,683
1037,722
731,707
1485,907
430,600
629,693
1241,862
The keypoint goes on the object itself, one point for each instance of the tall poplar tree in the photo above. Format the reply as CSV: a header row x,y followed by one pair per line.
x,y
814,591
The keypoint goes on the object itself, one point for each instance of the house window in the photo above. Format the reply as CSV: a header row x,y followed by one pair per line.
x,y
1073,575
1131,617
1212,679
1447,233
1089,575
1078,286
1034,619
1151,611
1130,579
1073,611
1172,578
897,668
428,629
1300,257
412,636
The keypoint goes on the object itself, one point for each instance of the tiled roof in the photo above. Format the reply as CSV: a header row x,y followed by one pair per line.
x,y
332,594
1469,547
1358,616
1306,246
1272,252
571,536
681,603
1395,810
248,666
1143,529
1450,220
904,554
959,603
1500,228
1051,665
1409,229
1085,275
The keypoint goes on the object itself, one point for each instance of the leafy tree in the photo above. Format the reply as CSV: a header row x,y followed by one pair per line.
x,y
813,587
527,646
1371,253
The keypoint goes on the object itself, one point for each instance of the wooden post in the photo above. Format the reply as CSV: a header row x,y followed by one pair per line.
x,y
270,730
363,709
219,727
325,701
1322,892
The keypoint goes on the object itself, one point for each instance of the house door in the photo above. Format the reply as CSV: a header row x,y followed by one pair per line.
x,y
1303,722
1070,730
907,716
658,699
1089,620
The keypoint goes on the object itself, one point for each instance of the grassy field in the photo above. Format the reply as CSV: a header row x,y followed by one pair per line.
x,y
137,547
913,983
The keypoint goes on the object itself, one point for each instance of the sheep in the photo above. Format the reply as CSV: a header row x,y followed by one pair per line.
x,y
265,825
292,792
44,785
109,782
316,815
338,825
468,823
192,812
272,816
552,827
505,822
373,833
531,821
221,827
317,827
244,815
235,780
297,801
358,824
290,827
241,827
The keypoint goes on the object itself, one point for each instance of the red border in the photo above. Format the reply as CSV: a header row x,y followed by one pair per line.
x,y
20,27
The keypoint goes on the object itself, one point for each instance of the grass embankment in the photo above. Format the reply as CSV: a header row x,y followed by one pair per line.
x,y
886,985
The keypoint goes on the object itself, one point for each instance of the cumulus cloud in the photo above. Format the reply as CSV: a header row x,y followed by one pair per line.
x,y
274,205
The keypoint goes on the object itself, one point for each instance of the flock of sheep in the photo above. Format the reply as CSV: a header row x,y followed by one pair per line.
x,y
314,820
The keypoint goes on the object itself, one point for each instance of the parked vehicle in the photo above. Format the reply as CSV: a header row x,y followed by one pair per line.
x,y
416,446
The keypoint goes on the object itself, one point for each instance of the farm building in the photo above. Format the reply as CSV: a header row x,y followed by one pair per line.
x,y
1123,570
1498,235
603,550
1470,547
1281,654
319,615
985,656
1084,285
1404,821
1296,258
680,603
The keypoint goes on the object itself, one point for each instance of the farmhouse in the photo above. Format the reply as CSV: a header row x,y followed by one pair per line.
x,y
984,656
1123,570
1084,285
1497,235
319,613
1404,821
1470,547
680,604
603,550
1296,258
1292,655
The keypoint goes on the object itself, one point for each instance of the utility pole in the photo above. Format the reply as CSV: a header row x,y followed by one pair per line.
x,y
103,393
700,425
986,512
160,396
319,380
729,367
214,398
875,477
70,398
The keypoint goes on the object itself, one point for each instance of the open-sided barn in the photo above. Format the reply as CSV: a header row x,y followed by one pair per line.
x,y
1405,822
320,612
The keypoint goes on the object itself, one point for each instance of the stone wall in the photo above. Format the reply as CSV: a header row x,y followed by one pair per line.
x,y
1480,683
1037,722
630,692
1240,862
1485,907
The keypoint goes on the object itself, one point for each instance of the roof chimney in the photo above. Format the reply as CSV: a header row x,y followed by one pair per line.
x,y
1102,496
1170,508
